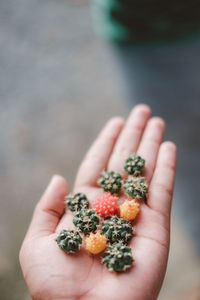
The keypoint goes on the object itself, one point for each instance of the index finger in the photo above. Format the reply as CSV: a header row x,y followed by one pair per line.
x,y
98,155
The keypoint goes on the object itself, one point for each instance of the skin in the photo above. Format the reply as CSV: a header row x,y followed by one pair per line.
x,y
54,275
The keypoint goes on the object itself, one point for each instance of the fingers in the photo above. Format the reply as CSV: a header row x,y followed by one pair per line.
x,y
129,138
50,208
162,184
98,155
150,144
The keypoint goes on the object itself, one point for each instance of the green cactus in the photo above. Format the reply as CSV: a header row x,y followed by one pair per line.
x,y
134,164
69,240
110,181
86,220
117,229
77,202
136,187
118,258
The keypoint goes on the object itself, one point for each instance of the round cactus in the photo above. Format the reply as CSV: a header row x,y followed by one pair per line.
x,y
69,240
77,202
117,229
136,187
129,209
110,181
134,164
118,258
95,243
106,205
86,220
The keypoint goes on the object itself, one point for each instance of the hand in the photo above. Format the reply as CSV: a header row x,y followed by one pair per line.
x,y
54,275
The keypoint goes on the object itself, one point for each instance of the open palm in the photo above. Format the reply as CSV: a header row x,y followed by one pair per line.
x,y
54,275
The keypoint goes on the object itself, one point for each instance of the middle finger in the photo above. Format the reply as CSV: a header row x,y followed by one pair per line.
x,y
129,138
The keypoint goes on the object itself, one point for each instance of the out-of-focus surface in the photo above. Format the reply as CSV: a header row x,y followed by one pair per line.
x,y
57,88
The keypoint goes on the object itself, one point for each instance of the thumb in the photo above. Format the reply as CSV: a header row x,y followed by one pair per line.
x,y
50,208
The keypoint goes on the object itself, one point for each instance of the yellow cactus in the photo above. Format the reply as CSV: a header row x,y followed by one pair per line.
x,y
129,210
95,243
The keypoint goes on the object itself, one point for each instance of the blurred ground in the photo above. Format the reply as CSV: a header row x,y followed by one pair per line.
x,y
57,88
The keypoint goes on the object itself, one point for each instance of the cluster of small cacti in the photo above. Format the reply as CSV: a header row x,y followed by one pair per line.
x,y
116,229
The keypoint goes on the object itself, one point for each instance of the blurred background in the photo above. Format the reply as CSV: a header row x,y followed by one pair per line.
x,y
58,85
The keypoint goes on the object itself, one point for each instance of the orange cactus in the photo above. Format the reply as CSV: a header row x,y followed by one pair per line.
x,y
129,209
95,243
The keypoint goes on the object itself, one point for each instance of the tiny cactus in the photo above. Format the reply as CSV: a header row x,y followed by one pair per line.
x,y
117,229
69,240
118,258
106,205
77,202
86,220
136,187
95,243
134,164
110,182
129,210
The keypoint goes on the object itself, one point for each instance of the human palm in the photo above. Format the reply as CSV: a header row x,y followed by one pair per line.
x,y
54,275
